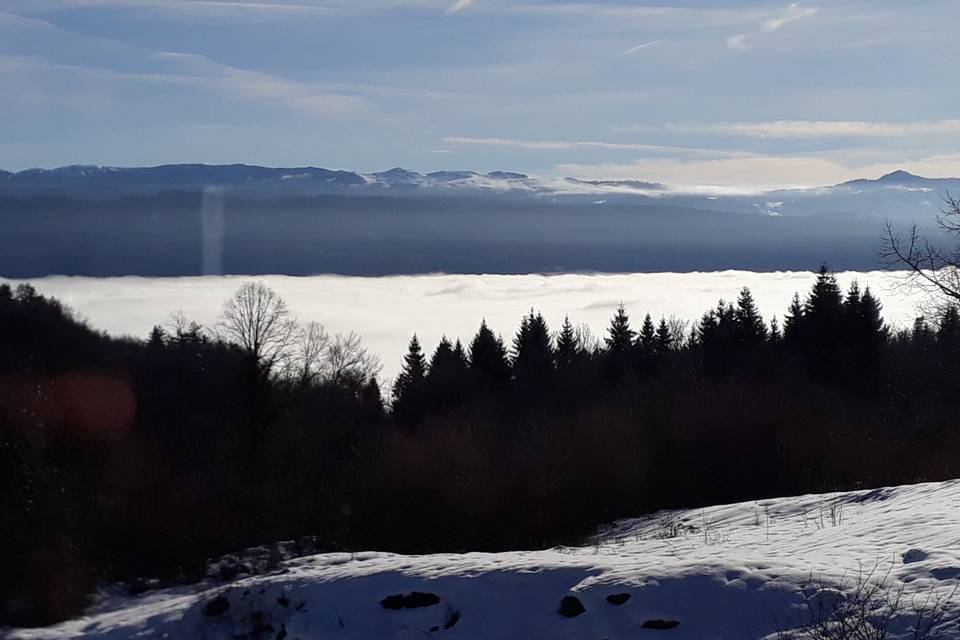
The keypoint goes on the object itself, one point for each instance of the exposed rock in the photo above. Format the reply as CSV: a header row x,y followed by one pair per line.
x,y
946,573
662,625
452,620
571,607
915,555
618,598
413,600
216,607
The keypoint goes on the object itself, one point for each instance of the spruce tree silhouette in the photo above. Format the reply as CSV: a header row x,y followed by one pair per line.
x,y
446,377
647,338
569,349
949,332
414,369
488,356
823,328
408,396
664,341
750,329
443,362
793,320
620,336
775,334
620,342
533,354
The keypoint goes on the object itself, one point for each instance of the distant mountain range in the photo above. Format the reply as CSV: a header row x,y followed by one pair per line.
x,y
899,194
195,219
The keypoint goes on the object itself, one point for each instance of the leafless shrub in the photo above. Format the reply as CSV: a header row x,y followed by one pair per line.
x,y
874,607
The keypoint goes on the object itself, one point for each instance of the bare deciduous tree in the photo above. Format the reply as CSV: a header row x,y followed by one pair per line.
x,y
258,321
930,268
679,330
349,361
308,362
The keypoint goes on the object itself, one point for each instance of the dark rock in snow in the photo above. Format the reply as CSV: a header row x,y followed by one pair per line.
x,y
618,598
571,607
946,573
413,600
662,625
452,620
283,601
217,606
393,602
915,555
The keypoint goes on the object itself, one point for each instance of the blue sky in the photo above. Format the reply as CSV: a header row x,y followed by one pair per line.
x,y
697,92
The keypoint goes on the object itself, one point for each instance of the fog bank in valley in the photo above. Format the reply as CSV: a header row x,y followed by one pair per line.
x,y
387,311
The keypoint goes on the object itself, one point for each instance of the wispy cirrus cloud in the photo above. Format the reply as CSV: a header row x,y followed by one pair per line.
x,y
644,45
559,145
459,6
793,13
812,128
202,73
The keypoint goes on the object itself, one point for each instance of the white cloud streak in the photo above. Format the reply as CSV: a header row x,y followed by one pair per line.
x,y
813,128
559,145
793,13
644,45
203,73
459,6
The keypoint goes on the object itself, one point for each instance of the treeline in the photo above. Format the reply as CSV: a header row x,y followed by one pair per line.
x,y
127,459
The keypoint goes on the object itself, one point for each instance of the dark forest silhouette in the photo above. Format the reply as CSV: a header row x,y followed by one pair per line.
x,y
125,459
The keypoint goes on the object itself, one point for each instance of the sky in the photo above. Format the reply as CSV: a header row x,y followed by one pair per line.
x,y
745,93
386,311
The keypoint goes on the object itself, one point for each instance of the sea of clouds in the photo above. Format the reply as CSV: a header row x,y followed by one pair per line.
x,y
386,311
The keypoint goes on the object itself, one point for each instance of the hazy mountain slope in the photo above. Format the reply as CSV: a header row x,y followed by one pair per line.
x,y
726,572
169,220
169,234
898,194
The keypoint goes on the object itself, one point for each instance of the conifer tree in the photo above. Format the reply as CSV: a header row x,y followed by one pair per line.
x,y
533,353
949,332
647,338
444,362
749,327
664,339
825,341
569,348
793,320
412,373
620,336
488,356
157,338
852,302
461,355
775,334
825,303
871,322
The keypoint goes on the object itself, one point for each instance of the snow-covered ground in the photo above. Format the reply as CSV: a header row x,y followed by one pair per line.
x,y
735,571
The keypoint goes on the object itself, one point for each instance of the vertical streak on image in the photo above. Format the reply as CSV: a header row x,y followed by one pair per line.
x,y
212,225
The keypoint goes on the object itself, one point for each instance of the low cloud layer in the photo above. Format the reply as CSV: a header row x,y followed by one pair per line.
x,y
387,311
